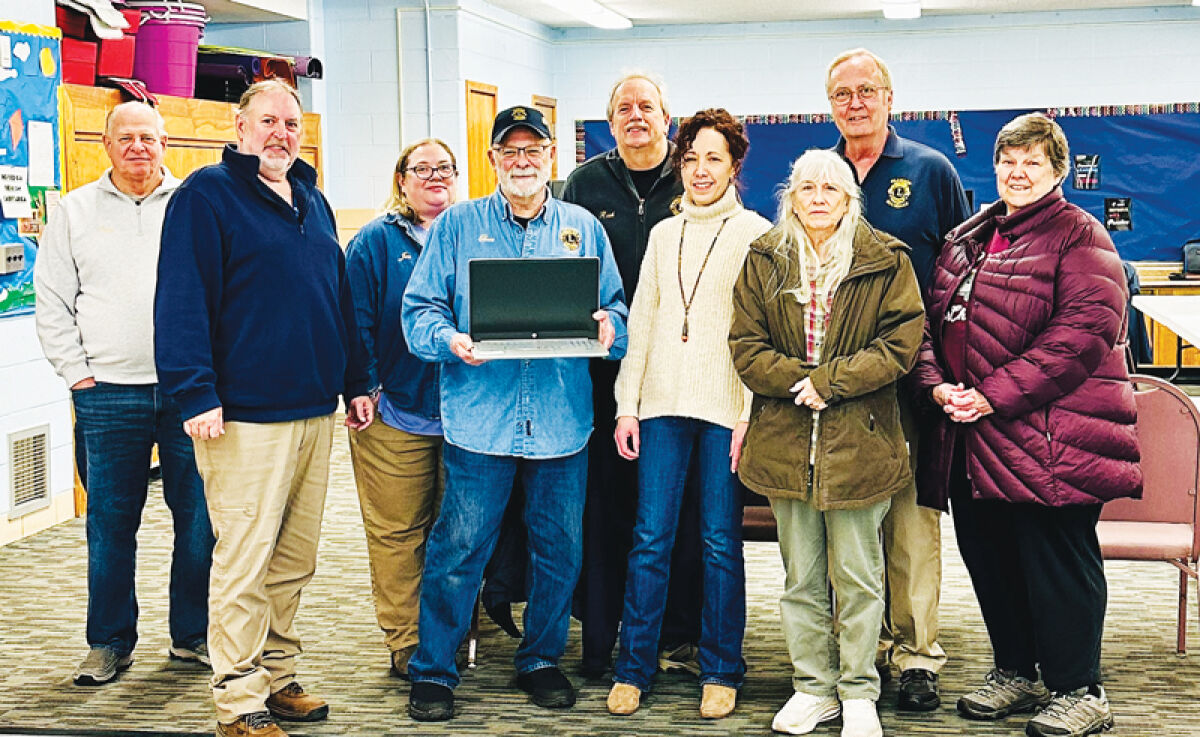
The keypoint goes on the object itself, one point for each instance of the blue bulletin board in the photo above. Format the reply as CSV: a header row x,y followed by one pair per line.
x,y
1138,165
30,74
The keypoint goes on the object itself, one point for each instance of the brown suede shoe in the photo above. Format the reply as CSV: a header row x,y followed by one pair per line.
x,y
292,704
624,699
258,724
718,701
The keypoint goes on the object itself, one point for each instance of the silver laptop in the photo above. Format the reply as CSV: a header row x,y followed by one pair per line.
x,y
535,307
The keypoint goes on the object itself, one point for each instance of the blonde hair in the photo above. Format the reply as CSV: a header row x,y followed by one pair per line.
x,y
850,54
273,84
794,245
397,202
655,81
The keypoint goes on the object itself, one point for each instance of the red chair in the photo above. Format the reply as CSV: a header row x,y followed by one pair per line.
x,y
1162,525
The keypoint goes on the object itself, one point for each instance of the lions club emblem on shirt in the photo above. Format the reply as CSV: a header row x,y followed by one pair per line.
x,y
571,238
898,193
677,205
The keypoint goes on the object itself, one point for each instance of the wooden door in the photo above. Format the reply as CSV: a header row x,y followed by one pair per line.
x,y
549,108
481,112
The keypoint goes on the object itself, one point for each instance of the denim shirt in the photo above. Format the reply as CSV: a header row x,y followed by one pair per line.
x,y
539,408
379,262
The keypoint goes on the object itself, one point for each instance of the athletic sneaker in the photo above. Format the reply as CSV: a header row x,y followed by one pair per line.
x,y
803,712
1075,713
101,666
1003,693
197,653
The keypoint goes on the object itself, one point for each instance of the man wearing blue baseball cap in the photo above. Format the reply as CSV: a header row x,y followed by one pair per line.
x,y
505,417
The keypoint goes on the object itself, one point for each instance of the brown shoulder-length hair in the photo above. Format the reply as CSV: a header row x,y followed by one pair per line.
x,y
719,119
397,202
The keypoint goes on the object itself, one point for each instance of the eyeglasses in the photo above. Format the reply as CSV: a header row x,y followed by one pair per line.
x,y
843,95
511,153
424,171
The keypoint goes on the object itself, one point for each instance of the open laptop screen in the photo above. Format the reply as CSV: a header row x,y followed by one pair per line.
x,y
516,298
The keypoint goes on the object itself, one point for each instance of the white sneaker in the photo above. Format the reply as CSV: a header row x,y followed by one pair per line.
x,y
803,712
859,719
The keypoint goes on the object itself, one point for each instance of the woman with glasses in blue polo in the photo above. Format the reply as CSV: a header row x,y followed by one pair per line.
x,y
398,458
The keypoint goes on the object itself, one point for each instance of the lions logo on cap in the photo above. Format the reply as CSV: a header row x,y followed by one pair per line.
x,y
677,205
519,113
898,193
571,238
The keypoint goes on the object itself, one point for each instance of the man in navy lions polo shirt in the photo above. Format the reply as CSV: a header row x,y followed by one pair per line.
x,y
912,192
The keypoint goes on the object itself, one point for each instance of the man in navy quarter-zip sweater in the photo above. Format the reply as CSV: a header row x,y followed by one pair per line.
x,y
253,322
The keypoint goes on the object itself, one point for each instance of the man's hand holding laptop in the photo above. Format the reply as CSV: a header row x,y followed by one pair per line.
x,y
462,346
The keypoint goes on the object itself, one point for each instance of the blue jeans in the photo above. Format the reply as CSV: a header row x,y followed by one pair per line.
x,y
477,491
120,424
666,450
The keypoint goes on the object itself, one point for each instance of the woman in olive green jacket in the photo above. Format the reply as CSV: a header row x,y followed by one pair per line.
x,y
827,319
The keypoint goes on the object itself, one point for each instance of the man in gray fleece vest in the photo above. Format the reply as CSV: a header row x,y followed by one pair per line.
x,y
95,280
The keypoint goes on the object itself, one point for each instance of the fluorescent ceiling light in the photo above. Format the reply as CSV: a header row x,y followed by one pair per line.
x,y
592,13
908,9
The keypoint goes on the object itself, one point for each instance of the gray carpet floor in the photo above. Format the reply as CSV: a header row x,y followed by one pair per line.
x,y
43,603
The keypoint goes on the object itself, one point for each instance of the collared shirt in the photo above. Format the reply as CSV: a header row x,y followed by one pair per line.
x,y
821,288
913,193
529,408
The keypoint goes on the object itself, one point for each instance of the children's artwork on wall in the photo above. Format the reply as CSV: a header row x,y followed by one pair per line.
x,y
1150,152
30,176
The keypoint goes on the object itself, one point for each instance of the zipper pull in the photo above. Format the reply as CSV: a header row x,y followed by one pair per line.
x,y
641,207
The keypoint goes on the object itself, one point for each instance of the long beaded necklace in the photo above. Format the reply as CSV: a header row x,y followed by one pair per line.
x,y
687,301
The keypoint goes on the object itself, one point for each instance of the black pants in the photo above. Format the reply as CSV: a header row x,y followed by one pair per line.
x,y
1039,578
608,518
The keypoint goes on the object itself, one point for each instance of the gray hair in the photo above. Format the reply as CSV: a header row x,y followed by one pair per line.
x,y
131,105
267,85
793,246
656,81
850,54
1030,129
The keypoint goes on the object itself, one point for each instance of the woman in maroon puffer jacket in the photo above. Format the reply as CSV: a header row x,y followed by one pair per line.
x,y
1024,354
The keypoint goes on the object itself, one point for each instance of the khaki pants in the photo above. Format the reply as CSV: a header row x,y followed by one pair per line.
x,y
839,547
912,547
265,485
400,482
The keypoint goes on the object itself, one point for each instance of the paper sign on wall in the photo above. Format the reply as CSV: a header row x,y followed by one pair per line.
x,y
41,154
14,192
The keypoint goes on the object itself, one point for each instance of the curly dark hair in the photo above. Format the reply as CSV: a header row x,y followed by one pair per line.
x,y
719,119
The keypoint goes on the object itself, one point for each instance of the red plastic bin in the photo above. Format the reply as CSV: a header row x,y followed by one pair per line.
x,y
116,57
73,23
79,61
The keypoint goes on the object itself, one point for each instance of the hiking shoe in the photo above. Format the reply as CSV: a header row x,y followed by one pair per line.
x,y
101,665
683,659
547,687
257,724
860,719
918,690
293,704
430,702
803,712
197,653
1003,693
624,699
1073,714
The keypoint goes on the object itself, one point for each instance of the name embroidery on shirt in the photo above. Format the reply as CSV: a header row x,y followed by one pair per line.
x,y
899,192
485,238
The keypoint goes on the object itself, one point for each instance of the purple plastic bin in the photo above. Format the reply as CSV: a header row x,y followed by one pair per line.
x,y
166,47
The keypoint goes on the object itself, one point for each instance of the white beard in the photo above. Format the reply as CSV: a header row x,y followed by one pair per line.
x,y
509,185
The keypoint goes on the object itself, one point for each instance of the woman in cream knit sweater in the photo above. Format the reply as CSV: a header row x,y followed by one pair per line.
x,y
678,395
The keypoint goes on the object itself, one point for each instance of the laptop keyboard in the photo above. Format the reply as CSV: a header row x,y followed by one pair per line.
x,y
529,347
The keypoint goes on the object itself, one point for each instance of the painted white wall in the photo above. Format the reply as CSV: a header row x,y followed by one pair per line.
x,y
28,11
937,62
